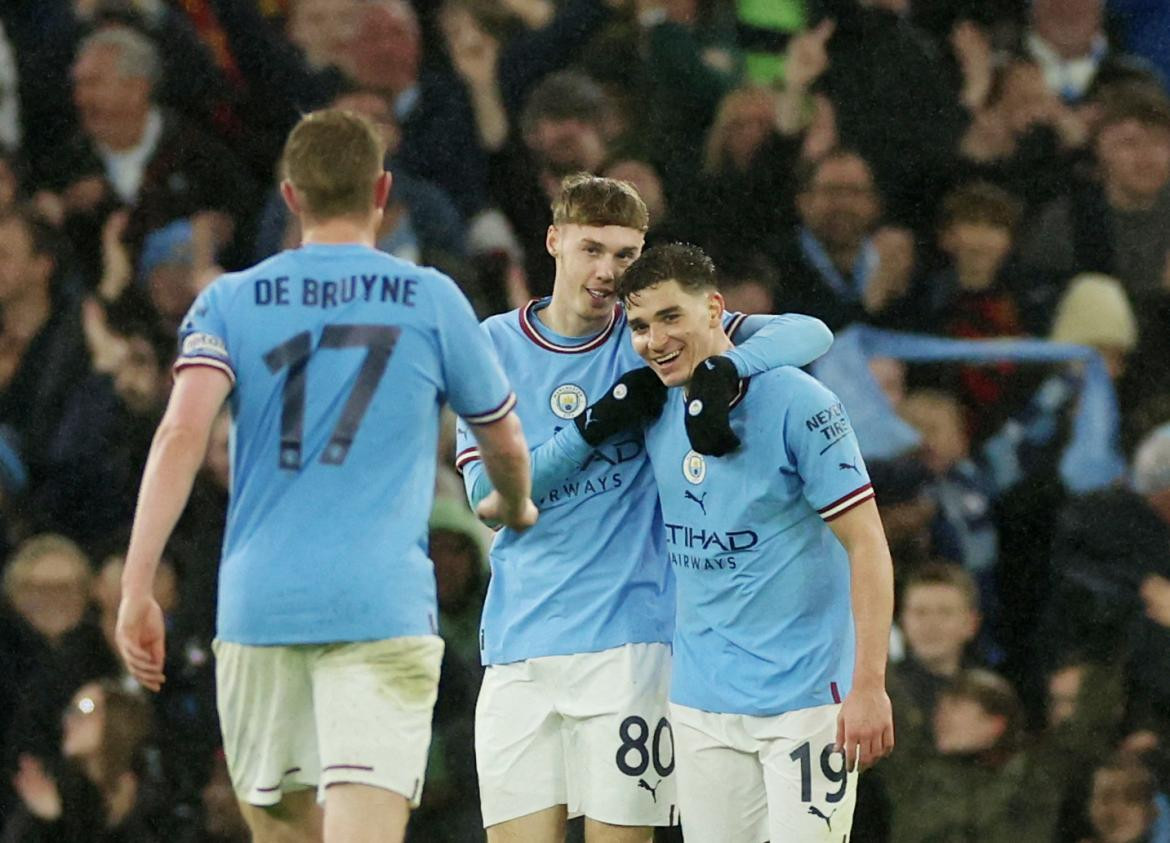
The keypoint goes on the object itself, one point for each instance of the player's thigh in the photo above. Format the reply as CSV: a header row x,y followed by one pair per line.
x,y
621,744
373,702
265,702
519,744
358,813
810,795
297,818
720,780
547,826
599,832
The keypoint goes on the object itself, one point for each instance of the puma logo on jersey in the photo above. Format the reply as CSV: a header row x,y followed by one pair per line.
x,y
846,466
816,812
688,495
645,785
589,416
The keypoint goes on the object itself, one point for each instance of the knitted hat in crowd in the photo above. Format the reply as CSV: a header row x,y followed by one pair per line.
x,y
1151,462
1095,311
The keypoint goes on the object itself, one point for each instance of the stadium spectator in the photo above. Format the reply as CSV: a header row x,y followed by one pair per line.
x,y
51,646
1067,39
42,349
220,820
1118,224
1111,581
894,103
1122,805
1022,137
978,781
131,153
939,617
963,491
101,790
837,265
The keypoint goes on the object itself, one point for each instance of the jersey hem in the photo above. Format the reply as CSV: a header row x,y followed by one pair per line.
x,y
575,651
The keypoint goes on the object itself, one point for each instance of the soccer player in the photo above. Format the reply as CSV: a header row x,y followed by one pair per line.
x,y
785,587
335,358
572,716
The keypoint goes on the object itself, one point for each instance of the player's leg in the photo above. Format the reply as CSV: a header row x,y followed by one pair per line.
x,y
810,796
265,703
619,742
296,818
373,702
599,832
720,781
350,807
546,825
520,753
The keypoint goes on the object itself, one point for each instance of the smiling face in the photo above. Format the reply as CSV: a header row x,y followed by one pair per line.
x,y
589,260
674,329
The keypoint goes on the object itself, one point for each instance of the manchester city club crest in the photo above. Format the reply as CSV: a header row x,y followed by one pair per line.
x,y
567,401
694,467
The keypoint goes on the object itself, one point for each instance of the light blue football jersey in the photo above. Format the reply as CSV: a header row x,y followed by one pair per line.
x,y
341,357
589,575
764,624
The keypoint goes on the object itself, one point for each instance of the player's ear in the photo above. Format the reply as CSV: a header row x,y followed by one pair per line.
x,y
715,308
552,241
382,189
289,194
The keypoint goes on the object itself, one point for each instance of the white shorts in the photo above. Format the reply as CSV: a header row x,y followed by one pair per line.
x,y
588,731
312,715
751,779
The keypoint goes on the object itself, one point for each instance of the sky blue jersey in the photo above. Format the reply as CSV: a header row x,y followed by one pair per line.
x,y
764,623
341,357
591,574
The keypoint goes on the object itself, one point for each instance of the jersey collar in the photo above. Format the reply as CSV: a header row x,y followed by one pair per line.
x,y
533,332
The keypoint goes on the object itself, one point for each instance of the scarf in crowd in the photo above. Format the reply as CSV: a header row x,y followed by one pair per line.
x,y
1092,457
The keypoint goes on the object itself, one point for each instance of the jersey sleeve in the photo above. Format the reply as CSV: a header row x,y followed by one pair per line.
x,y
769,342
474,381
822,445
203,334
553,460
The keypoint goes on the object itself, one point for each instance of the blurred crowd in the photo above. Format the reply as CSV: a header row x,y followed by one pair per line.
x,y
964,169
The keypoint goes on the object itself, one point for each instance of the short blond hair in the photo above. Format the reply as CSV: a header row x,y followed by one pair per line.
x,y
31,551
586,199
333,158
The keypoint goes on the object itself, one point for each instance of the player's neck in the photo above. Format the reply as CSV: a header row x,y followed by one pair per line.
x,y
338,231
560,318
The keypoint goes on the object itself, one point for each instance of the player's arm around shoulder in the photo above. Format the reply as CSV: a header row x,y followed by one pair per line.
x,y
865,728
766,342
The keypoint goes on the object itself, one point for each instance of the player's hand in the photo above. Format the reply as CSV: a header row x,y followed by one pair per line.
x,y
865,727
141,637
713,386
637,397
494,509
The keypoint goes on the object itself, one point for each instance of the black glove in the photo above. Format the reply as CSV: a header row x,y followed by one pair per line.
x,y
714,385
636,397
